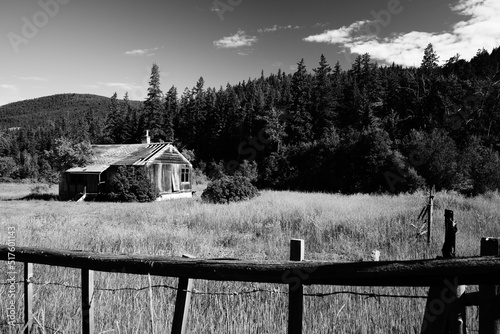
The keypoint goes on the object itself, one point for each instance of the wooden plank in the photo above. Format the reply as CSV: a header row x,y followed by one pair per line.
x,y
450,230
87,301
151,309
182,303
28,297
430,213
489,305
296,291
473,270
443,312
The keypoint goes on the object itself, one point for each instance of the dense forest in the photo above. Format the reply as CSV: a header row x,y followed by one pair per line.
x,y
369,128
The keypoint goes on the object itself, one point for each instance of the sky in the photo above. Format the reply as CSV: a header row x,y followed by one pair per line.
x,y
104,46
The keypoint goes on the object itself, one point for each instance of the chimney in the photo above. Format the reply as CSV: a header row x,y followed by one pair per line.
x,y
146,139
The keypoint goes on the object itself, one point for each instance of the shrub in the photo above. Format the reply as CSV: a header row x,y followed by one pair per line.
x,y
131,184
229,189
40,189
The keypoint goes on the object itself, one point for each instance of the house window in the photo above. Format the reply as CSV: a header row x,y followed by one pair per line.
x,y
184,174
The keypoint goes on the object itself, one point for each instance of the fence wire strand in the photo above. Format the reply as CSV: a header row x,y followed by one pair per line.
x,y
230,293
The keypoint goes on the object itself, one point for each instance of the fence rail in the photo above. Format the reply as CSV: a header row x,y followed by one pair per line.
x,y
471,270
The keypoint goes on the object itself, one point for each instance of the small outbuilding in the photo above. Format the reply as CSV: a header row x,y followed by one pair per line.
x,y
166,167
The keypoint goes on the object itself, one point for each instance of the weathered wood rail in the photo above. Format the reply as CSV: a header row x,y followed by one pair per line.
x,y
471,270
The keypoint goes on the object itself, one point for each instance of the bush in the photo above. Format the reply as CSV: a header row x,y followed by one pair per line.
x,y
130,184
40,189
229,189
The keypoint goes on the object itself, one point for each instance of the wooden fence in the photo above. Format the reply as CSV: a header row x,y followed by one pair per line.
x,y
449,273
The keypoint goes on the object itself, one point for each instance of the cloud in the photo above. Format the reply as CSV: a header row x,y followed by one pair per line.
x,y
479,29
321,24
142,52
31,78
9,93
245,52
122,85
238,40
90,86
11,88
276,28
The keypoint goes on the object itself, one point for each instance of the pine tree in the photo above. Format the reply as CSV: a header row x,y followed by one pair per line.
x,y
430,60
129,125
171,109
153,107
322,99
300,121
113,121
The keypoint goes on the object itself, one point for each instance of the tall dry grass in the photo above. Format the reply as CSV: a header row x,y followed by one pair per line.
x,y
335,227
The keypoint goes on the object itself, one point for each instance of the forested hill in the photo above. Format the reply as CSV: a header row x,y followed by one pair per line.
x,y
36,112
367,128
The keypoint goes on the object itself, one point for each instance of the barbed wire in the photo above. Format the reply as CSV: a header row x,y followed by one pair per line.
x,y
231,293
38,325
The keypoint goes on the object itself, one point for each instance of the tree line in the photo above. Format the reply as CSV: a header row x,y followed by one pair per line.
x,y
369,128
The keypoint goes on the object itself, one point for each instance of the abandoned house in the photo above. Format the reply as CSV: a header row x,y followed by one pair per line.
x,y
167,168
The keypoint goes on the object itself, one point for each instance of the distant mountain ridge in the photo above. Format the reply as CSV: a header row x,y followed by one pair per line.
x,y
50,108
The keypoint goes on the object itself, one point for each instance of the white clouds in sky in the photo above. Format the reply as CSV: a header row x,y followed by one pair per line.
x,y
479,29
32,78
276,28
8,93
142,52
238,40
122,85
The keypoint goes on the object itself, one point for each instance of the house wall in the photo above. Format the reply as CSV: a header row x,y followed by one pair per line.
x,y
70,185
163,175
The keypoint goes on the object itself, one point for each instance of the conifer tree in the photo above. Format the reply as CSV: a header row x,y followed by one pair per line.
x,y
322,99
153,107
113,121
430,60
171,109
300,120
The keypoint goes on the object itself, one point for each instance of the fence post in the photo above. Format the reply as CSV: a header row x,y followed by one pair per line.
x,y
450,230
295,297
28,297
182,303
489,305
429,213
87,301
443,311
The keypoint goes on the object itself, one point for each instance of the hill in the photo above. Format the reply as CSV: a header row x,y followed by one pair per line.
x,y
30,113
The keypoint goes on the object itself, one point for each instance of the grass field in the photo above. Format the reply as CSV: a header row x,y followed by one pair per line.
x,y
335,227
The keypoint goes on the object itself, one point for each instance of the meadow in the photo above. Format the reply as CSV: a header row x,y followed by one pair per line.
x,y
335,227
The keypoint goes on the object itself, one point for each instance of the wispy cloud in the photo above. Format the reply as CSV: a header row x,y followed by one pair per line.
x,y
277,27
479,29
142,52
122,85
238,40
32,78
9,93
11,88
321,24
90,86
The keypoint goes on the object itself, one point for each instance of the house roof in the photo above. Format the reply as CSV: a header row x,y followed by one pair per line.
x,y
91,169
131,154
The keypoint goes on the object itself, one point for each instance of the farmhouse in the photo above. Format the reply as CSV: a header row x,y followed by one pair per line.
x,y
167,168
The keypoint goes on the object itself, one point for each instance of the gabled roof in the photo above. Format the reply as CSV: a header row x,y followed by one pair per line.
x,y
91,169
131,154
